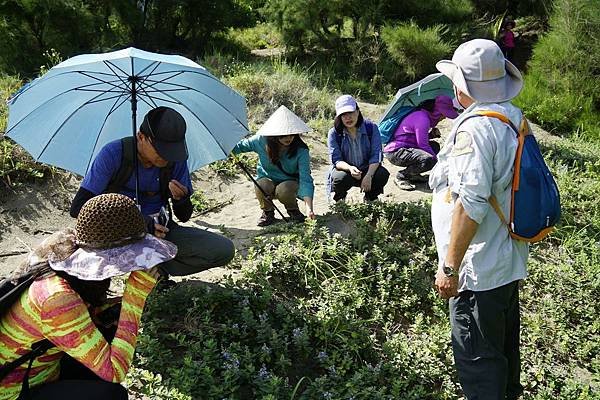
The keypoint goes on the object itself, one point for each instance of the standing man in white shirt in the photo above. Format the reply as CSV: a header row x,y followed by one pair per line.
x,y
480,265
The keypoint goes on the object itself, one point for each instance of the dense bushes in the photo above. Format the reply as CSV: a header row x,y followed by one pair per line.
x,y
346,36
416,50
31,28
562,90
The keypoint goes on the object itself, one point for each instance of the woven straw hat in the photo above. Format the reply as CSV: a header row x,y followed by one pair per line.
x,y
283,122
112,240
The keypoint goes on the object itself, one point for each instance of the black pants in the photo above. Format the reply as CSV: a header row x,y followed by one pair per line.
x,y
342,181
79,389
415,160
78,382
485,342
197,250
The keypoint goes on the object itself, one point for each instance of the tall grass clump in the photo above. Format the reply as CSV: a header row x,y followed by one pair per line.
x,y
267,88
416,50
561,86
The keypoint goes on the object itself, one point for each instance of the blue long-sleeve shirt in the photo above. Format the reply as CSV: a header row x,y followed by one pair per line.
x,y
370,146
298,164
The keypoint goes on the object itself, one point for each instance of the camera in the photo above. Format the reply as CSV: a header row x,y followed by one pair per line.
x,y
162,218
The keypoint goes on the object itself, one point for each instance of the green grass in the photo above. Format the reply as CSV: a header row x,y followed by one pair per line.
x,y
317,315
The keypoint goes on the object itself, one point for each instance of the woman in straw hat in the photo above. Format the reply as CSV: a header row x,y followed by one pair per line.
x,y
355,153
62,304
283,170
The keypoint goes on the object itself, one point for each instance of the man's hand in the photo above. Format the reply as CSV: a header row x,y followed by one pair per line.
x,y
160,231
154,272
446,286
355,172
365,185
178,191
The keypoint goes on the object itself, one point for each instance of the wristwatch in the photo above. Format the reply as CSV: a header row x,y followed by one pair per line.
x,y
449,271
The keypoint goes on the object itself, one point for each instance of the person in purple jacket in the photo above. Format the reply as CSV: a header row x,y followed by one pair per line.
x,y
411,145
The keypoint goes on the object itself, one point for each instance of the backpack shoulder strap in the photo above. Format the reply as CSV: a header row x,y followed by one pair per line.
x,y
37,349
120,178
369,126
497,115
10,297
521,132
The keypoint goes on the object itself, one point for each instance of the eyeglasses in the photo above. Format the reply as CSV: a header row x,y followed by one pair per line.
x,y
152,135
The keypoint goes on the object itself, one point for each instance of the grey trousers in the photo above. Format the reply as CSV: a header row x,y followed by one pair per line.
x,y
415,160
485,342
197,250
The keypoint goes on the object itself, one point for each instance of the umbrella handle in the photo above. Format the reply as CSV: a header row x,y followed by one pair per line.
x,y
243,167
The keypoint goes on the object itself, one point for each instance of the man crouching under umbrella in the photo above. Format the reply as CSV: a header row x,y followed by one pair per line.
x,y
162,174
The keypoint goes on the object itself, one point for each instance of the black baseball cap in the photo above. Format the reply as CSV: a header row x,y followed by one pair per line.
x,y
166,127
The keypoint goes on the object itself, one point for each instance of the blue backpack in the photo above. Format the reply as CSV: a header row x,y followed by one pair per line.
x,y
535,201
388,126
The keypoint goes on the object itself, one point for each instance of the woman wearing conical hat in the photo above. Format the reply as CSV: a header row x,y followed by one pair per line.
x,y
283,170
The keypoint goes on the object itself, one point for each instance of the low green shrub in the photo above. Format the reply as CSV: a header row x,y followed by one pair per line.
x,y
318,315
261,36
228,167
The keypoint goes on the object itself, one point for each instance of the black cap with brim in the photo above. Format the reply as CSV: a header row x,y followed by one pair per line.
x,y
166,127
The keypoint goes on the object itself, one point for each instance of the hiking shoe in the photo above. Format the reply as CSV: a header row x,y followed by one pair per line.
x,y
267,218
404,184
296,215
417,178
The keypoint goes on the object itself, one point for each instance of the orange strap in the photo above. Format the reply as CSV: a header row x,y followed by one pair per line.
x,y
496,207
521,132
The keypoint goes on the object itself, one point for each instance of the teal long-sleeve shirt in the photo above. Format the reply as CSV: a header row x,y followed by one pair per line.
x,y
299,164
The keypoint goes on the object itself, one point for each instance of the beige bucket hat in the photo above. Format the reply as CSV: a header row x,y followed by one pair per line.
x,y
479,69
283,122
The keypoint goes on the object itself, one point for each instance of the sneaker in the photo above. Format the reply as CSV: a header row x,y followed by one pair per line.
x,y
404,184
296,215
418,178
267,218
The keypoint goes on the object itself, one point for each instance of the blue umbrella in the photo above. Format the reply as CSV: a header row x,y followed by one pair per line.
x,y
413,95
65,117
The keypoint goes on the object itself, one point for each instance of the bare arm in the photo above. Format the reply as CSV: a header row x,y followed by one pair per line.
x,y
462,231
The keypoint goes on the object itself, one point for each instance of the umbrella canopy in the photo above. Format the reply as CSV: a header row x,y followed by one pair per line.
x,y
413,95
65,117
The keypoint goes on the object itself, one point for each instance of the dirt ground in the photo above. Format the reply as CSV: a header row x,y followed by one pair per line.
x,y
30,213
